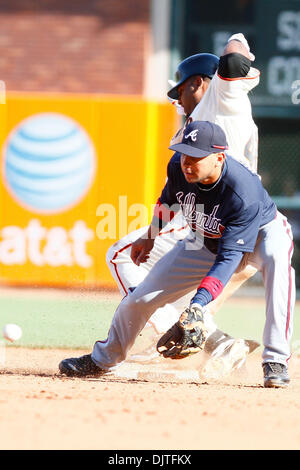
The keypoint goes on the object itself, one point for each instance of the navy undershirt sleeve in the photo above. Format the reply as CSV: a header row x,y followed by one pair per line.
x,y
202,297
225,265
223,268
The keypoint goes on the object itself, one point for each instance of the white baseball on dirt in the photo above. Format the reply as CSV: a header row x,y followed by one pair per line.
x,y
12,332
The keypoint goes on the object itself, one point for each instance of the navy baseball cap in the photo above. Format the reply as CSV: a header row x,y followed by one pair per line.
x,y
201,138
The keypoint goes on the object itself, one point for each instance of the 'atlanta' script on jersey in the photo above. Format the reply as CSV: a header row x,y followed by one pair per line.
x,y
208,224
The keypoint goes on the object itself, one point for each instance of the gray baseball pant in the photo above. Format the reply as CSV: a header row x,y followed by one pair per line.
x,y
182,269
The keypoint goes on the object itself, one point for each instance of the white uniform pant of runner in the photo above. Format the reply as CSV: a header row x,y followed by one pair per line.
x,y
128,275
181,270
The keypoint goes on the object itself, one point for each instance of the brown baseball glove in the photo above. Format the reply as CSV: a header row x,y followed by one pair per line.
x,y
185,337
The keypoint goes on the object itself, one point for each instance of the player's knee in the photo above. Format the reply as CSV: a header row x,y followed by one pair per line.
x,y
111,254
141,304
133,306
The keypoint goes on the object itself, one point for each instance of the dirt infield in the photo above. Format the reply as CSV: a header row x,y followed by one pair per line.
x,y
159,406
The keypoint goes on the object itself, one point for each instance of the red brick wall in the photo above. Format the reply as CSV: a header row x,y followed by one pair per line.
x,y
95,46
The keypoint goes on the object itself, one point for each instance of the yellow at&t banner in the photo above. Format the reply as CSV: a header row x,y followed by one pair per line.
x,y
77,173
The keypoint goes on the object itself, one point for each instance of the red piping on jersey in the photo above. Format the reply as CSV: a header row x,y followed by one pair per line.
x,y
213,285
238,78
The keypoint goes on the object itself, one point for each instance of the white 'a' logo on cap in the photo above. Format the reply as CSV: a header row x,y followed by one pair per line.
x,y
192,135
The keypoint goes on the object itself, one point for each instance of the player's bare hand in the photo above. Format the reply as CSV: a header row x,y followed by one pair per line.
x,y
141,249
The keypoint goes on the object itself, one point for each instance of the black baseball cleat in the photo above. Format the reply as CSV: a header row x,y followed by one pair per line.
x,y
80,367
275,375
